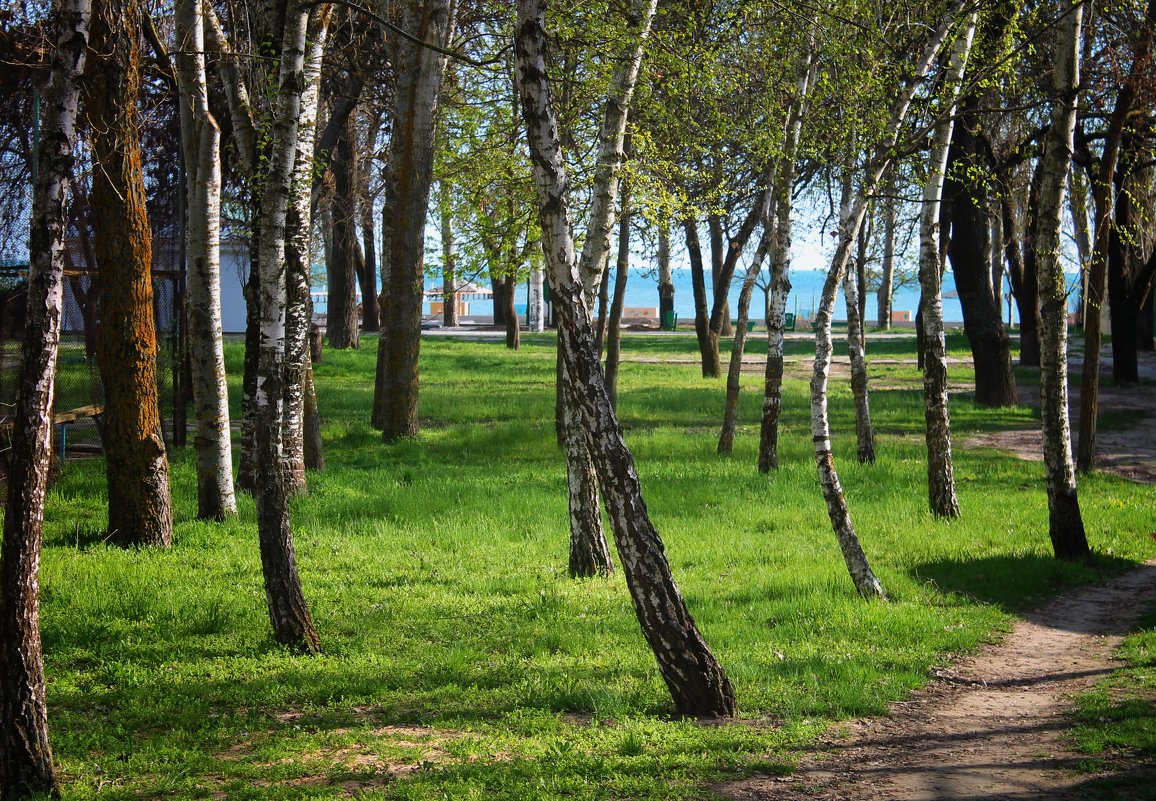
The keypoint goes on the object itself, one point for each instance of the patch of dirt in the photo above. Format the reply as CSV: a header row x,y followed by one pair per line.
x,y
1129,452
992,727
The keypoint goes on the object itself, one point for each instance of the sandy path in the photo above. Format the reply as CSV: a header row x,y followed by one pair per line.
x,y
992,727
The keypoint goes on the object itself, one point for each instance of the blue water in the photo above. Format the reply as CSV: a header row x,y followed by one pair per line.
x,y
806,289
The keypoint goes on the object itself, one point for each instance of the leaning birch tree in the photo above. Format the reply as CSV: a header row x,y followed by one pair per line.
x,y
697,682
852,210
940,468
201,142
25,754
1065,523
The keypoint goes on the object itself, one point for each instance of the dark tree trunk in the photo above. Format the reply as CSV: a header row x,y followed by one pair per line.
x,y
665,280
1130,277
513,324
419,72
139,504
1025,281
25,754
342,322
968,231
707,345
719,295
498,287
246,469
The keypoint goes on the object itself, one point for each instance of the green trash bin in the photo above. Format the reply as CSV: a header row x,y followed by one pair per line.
x,y
750,326
669,320
789,321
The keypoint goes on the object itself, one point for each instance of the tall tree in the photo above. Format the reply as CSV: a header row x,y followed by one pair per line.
x,y
419,71
201,140
288,611
940,467
1065,525
139,505
694,677
25,754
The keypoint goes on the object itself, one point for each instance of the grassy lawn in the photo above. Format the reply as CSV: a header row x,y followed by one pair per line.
x,y
460,660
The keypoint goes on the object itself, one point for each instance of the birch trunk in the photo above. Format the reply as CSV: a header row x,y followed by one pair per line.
x,y
694,677
139,505
940,467
536,302
298,260
726,438
25,753
201,139
342,322
288,611
887,280
853,209
864,432
782,204
614,328
419,72
1066,525
665,278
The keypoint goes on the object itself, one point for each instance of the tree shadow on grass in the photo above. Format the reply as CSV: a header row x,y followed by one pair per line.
x,y
1015,583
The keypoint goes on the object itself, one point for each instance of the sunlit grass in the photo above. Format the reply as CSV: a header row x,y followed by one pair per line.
x,y
461,661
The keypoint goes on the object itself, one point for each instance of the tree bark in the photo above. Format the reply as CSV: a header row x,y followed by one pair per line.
x,y
449,270
26,768
288,612
1066,526
139,504
708,352
887,279
370,318
940,466
1025,281
202,139
726,438
864,432
513,323
696,681
665,278
419,72
614,328
342,321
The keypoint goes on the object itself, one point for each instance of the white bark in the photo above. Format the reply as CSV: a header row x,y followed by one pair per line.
x,y
536,308
1066,526
940,468
201,140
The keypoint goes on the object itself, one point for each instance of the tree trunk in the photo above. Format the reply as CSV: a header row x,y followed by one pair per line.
x,y
707,346
419,72
342,321
513,323
288,612
25,754
665,278
589,551
940,466
201,139
696,681
299,229
864,432
887,279
449,270
536,302
614,332
139,505
1066,526
603,314
370,318
726,438
314,451
1025,282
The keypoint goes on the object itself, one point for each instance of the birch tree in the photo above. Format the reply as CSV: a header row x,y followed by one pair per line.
x,y
940,468
694,677
201,140
288,611
1065,524
26,768
139,505
853,209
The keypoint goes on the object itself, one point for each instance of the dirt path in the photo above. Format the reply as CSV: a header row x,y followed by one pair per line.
x,y
991,728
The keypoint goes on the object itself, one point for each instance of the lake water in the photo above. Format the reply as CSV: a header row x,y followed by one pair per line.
x,y
806,289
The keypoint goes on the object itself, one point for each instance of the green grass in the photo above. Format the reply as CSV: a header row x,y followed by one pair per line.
x,y
1115,724
461,661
